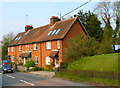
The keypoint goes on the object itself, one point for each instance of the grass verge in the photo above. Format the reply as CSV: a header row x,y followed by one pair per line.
x,y
93,81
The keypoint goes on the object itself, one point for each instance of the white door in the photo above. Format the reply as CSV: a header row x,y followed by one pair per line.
x,y
56,62
24,60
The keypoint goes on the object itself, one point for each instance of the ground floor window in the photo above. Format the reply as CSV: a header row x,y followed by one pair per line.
x,y
12,58
47,60
36,60
19,59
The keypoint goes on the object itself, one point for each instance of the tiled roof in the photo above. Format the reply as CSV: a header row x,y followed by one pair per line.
x,y
26,54
41,33
53,54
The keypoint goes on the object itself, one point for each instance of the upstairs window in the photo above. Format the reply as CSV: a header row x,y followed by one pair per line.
x,y
13,59
28,47
20,48
12,49
58,44
8,49
19,59
48,45
47,60
35,46
36,60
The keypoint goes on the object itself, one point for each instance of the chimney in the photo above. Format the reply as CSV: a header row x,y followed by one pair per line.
x,y
28,28
54,19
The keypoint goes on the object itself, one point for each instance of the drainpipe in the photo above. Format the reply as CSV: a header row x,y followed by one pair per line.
x,y
41,54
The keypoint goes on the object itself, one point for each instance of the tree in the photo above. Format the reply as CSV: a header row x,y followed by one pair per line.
x,y
108,12
116,31
5,41
80,46
104,11
91,24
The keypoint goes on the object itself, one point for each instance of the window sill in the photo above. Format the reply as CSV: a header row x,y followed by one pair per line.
x,y
48,49
58,48
35,49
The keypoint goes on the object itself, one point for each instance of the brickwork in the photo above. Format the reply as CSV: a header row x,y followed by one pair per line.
x,y
42,52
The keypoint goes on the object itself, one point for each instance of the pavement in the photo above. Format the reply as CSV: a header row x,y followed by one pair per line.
x,y
43,73
25,79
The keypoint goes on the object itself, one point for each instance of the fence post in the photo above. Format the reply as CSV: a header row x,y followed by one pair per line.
x,y
113,75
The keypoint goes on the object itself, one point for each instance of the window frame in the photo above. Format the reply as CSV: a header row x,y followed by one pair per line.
x,y
36,59
35,48
12,49
8,49
48,45
46,60
20,47
13,59
20,59
58,44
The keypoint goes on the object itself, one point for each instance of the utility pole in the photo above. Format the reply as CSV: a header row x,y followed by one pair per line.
x,y
26,19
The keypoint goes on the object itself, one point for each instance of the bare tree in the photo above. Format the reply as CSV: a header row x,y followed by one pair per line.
x,y
105,11
5,41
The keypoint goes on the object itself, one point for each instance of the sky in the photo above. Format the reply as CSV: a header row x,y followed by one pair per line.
x,y
13,14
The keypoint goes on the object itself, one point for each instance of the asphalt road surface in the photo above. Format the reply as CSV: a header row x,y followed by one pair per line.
x,y
25,79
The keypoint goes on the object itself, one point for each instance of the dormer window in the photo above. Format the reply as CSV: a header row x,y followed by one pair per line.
x,y
35,46
53,32
58,31
49,33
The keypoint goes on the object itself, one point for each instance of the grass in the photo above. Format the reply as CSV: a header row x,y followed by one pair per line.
x,y
106,62
95,81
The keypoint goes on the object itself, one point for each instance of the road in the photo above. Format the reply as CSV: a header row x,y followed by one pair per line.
x,y
25,79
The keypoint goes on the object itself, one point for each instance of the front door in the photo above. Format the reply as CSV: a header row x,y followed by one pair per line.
x,y
56,62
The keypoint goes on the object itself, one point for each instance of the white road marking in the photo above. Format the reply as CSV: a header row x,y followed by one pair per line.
x,y
27,82
10,76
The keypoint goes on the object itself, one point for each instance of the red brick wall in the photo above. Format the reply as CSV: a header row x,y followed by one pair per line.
x,y
75,30
41,49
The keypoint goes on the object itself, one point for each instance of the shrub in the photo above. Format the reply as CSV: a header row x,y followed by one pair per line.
x,y
80,46
46,69
29,64
63,65
20,64
41,69
36,68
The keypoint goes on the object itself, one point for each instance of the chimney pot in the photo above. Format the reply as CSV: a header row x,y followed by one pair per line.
x,y
53,20
28,27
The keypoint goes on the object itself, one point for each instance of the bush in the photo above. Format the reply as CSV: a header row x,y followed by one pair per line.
x,y
63,65
40,69
36,68
46,69
20,64
80,46
29,64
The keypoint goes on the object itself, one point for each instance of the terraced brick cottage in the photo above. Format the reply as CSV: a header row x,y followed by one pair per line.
x,y
44,44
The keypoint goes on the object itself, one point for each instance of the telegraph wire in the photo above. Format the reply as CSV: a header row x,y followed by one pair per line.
x,y
75,8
